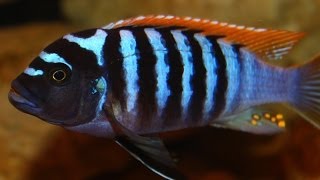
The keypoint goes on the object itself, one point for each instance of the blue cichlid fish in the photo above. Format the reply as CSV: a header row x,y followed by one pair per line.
x,y
152,74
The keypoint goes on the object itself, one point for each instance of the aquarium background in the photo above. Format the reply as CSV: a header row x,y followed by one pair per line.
x,y
33,149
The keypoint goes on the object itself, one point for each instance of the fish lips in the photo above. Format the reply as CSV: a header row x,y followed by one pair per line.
x,y
22,99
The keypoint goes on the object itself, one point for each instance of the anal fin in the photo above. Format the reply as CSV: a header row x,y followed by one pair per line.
x,y
257,120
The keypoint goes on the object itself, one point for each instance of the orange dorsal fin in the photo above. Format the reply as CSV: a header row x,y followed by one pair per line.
x,y
267,44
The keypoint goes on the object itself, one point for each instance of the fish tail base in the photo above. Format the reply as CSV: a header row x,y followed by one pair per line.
x,y
306,96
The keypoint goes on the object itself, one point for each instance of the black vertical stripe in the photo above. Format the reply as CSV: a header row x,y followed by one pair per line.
x,y
147,80
222,81
198,80
114,62
172,111
236,50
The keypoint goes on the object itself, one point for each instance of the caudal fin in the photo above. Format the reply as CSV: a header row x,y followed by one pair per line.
x,y
306,97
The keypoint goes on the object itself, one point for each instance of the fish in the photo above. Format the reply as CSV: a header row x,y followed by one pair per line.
x,y
135,78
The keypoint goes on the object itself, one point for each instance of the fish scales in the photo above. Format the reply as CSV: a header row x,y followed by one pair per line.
x,y
172,109
183,46
161,67
197,81
222,81
114,65
210,63
146,101
185,83
233,73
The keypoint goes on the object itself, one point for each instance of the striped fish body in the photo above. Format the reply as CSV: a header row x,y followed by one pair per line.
x,y
168,78
160,73
164,72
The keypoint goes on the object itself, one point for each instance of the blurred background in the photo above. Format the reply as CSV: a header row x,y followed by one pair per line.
x,y
32,149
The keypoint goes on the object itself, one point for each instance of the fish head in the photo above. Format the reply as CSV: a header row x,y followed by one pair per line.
x,y
64,86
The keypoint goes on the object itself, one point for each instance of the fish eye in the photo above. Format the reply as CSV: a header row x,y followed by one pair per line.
x,y
59,76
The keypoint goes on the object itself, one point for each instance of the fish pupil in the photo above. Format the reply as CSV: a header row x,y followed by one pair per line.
x,y
59,75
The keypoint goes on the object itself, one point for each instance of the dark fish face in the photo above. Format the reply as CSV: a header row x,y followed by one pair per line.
x,y
63,85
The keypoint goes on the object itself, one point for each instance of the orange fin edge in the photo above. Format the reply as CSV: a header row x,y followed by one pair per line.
x,y
266,43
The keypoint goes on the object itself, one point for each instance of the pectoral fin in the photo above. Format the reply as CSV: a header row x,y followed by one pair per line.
x,y
150,151
255,120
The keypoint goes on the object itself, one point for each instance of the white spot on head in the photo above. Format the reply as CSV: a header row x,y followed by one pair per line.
x,y
53,58
33,72
94,43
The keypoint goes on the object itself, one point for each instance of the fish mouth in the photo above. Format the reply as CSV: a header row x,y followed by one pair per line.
x,y
16,97
22,99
